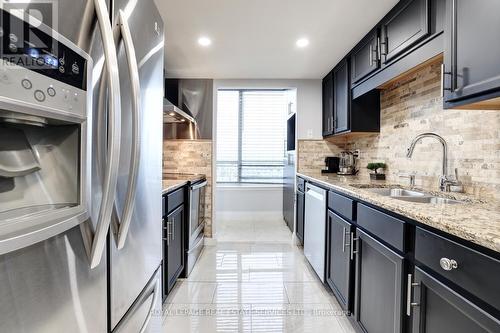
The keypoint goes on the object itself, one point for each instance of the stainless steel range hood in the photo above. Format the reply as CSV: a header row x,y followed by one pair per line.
x,y
178,124
188,109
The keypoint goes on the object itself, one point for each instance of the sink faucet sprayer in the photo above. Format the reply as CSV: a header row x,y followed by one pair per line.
x,y
444,181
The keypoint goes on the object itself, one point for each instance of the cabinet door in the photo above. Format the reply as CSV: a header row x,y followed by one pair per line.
x,y
338,269
472,48
300,217
175,245
438,309
365,57
379,281
404,27
164,268
328,105
341,97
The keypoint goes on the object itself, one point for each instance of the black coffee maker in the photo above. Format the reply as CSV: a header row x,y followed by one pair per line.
x,y
332,164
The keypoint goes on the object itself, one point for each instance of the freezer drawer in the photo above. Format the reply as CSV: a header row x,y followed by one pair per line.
x,y
145,313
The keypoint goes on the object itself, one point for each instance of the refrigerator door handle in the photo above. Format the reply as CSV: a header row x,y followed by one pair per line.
x,y
95,240
153,288
121,225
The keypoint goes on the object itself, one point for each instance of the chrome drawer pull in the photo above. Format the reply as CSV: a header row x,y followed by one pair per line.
x,y
448,264
410,285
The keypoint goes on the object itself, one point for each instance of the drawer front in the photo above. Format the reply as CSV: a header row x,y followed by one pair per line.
x,y
301,184
341,205
163,206
175,199
475,272
389,229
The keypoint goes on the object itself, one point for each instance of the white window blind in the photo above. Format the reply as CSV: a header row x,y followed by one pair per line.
x,y
251,136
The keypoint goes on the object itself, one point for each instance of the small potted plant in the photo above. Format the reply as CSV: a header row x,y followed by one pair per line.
x,y
375,167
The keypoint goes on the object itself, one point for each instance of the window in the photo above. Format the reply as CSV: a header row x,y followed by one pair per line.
x,y
251,135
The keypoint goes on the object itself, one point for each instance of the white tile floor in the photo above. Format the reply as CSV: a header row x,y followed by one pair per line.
x,y
253,280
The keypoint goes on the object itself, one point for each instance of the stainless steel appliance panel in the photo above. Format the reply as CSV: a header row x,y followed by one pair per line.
x,y
132,266
315,228
144,315
196,237
289,190
48,287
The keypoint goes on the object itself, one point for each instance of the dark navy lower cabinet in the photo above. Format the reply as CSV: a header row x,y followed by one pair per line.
x,y
395,277
339,266
379,286
436,308
174,246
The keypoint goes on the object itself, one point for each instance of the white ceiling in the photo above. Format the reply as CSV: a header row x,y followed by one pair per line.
x,y
256,38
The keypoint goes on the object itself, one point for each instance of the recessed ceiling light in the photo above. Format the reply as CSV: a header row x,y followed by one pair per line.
x,y
204,41
303,42
171,114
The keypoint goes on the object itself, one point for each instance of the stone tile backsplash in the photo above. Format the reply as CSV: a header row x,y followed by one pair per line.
x,y
413,105
191,156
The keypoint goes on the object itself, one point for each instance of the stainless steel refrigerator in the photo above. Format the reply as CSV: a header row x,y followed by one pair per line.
x,y
87,261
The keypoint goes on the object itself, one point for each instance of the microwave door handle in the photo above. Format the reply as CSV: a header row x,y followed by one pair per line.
x,y
95,240
122,225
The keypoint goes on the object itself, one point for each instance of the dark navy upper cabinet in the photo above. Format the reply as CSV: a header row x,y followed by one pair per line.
x,y
365,58
406,24
328,116
341,97
472,53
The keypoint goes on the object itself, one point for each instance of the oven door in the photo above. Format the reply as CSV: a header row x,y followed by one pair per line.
x,y
197,211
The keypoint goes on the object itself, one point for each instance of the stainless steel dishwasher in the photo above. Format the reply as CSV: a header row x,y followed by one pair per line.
x,y
315,229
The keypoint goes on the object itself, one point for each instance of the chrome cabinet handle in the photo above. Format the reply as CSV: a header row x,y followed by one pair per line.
x,y
374,51
95,240
448,264
173,230
443,84
343,239
152,288
344,243
409,287
169,227
353,239
122,225
384,47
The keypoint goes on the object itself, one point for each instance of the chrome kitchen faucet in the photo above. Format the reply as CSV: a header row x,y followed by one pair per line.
x,y
444,181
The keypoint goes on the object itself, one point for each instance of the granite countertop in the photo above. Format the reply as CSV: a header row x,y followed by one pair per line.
x,y
169,185
174,181
474,220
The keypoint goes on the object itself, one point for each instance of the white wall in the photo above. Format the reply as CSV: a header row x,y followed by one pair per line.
x,y
309,99
249,202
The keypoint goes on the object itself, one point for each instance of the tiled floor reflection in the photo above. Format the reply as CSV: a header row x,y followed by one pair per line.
x,y
253,283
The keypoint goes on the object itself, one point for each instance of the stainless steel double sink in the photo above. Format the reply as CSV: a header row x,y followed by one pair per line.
x,y
412,196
